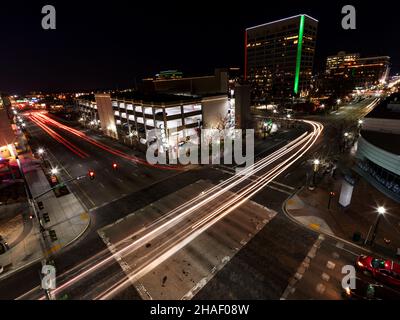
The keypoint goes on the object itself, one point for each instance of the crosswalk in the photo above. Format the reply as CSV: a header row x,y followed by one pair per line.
x,y
274,185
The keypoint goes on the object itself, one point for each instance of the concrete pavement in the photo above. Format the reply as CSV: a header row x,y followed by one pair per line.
x,y
311,209
67,218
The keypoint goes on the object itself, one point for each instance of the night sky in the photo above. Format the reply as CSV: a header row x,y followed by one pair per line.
x,y
110,44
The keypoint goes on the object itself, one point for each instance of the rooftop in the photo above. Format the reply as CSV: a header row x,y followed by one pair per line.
x,y
386,141
282,20
153,97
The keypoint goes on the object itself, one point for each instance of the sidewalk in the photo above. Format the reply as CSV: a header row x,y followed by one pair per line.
x,y
67,217
311,209
18,230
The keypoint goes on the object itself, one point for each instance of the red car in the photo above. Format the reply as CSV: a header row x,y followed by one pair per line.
x,y
385,271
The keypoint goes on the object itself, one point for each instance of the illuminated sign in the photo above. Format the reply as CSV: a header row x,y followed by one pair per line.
x,y
298,59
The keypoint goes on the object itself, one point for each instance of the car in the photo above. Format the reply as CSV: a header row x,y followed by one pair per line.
x,y
385,271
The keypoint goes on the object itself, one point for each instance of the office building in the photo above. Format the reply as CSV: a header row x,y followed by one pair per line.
x,y
174,82
279,58
338,63
346,72
129,116
378,151
7,136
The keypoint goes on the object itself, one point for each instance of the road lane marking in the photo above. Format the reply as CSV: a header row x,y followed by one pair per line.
x,y
278,189
291,288
283,185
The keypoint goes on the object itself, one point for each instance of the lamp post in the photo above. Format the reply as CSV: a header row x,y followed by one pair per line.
x,y
316,164
40,152
54,171
331,196
381,211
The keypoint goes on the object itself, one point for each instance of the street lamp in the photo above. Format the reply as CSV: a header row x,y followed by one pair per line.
x,y
381,211
316,164
40,152
360,122
54,171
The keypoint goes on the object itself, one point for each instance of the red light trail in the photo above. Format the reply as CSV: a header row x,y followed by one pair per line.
x,y
44,120
177,228
57,137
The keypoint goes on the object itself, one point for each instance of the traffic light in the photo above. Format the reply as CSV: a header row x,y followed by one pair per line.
x,y
46,217
53,235
115,166
91,174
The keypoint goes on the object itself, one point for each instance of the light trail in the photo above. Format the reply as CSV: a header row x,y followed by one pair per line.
x,y
198,228
100,145
58,137
239,178
306,140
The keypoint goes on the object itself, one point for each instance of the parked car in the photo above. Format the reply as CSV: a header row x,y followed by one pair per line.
x,y
385,271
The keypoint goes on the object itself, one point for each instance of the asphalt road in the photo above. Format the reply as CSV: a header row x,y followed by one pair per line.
x,y
260,270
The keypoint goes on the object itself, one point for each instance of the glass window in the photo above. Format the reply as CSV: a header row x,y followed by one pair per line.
x,y
194,119
174,123
378,263
173,111
150,122
148,110
139,120
191,108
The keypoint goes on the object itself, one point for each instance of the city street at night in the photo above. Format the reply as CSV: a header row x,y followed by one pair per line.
x,y
209,160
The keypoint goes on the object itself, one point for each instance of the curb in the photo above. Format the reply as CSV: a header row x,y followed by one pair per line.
x,y
25,266
332,236
76,238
